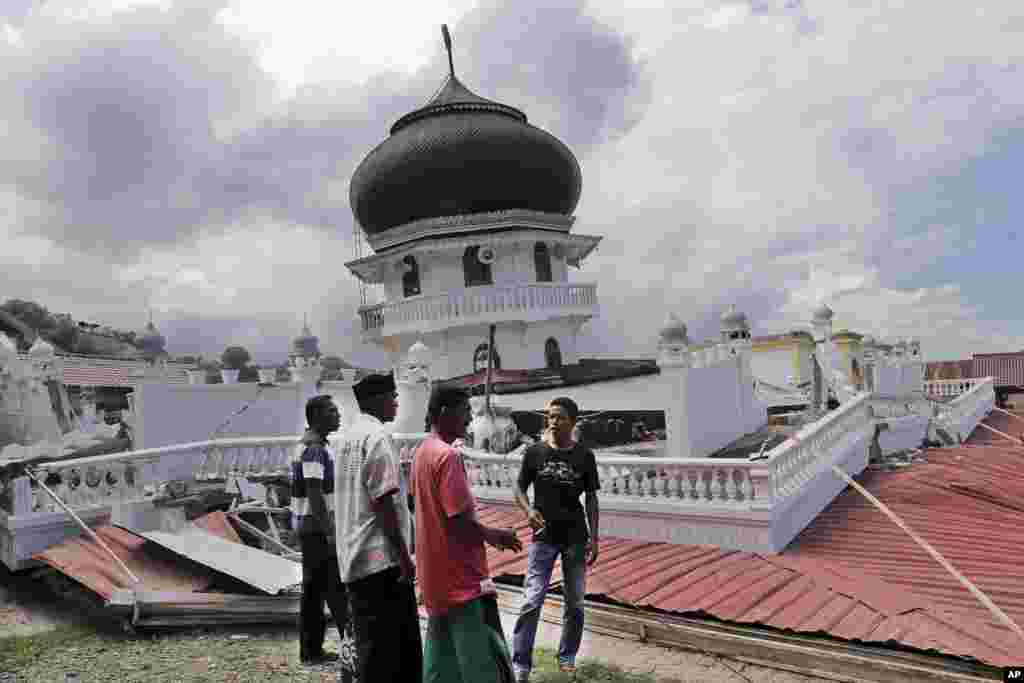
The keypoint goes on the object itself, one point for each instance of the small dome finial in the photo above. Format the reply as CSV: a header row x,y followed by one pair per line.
x,y
448,47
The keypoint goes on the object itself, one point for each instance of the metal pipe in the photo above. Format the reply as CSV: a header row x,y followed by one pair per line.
x,y
78,520
487,386
256,532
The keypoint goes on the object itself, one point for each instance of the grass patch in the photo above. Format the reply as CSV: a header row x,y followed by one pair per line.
x,y
545,670
210,656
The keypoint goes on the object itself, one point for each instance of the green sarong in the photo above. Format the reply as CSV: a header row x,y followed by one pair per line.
x,y
467,645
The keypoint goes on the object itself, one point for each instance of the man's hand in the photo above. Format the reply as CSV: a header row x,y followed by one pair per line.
x,y
592,552
405,563
502,539
535,519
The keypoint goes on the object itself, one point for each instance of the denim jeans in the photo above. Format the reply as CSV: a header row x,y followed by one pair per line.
x,y
541,562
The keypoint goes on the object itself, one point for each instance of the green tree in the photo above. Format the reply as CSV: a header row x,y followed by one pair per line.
x,y
235,357
31,314
212,369
249,373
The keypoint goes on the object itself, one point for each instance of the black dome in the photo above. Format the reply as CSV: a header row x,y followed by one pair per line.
x,y
462,154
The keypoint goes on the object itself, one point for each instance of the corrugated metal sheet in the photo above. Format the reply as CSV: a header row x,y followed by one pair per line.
x,y
1014,426
851,574
85,561
1007,368
96,377
258,568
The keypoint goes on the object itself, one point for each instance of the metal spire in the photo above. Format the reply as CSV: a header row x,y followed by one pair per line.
x,y
448,47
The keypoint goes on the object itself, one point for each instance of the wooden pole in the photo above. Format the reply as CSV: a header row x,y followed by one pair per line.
x,y
999,614
487,385
1002,434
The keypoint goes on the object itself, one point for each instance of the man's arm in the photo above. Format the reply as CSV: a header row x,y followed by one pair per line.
x,y
594,520
314,473
381,478
591,484
468,529
387,518
320,520
523,481
460,508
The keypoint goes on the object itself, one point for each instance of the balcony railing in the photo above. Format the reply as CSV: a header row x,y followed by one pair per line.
x,y
950,387
473,305
962,415
756,495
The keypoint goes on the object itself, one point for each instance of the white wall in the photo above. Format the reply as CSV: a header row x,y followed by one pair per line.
x,y
520,346
900,379
169,414
442,271
904,433
716,417
774,366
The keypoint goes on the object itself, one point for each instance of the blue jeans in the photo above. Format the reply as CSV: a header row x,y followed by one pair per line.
x,y
538,574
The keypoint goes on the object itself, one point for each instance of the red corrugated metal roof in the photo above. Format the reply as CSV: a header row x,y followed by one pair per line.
x,y
1014,426
97,377
85,561
1007,368
852,573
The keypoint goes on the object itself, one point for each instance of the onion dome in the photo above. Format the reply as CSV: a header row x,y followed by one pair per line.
x,y
150,341
462,154
673,331
41,350
734,320
306,344
823,314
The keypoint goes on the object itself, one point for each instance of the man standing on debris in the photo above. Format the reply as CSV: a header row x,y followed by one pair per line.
x,y
560,470
465,642
374,533
312,489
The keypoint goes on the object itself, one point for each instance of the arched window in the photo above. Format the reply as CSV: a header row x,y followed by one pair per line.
x,y
476,273
480,359
552,354
542,262
411,277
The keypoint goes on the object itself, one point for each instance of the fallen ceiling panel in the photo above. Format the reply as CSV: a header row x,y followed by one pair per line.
x,y
255,567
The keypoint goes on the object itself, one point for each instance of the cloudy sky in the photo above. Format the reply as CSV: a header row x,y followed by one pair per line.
x,y
193,157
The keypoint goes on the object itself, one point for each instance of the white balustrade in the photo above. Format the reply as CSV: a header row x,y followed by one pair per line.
x,y
962,414
950,387
799,459
450,308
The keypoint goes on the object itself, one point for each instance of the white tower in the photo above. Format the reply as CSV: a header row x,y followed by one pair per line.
x,y
468,210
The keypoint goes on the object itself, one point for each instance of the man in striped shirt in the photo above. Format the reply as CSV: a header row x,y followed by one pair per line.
x,y
312,479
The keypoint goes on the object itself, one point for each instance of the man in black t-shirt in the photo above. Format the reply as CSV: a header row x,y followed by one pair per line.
x,y
560,470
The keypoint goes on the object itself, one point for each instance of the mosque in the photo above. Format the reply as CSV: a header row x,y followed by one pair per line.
x,y
468,209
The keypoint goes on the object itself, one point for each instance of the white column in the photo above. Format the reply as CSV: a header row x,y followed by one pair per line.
x,y
674,363
412,381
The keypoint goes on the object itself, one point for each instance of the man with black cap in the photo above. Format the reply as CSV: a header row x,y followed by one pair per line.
x,y
374,530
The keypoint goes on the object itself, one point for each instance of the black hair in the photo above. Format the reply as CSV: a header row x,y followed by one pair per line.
x,y
442,398
316,409
566,404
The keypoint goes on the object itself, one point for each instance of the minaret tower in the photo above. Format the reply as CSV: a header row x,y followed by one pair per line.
x,y
468,210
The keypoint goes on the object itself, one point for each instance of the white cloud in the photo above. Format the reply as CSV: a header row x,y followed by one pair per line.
x,y
761,164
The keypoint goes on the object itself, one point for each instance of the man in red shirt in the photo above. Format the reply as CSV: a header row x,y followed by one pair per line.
x,y
465,642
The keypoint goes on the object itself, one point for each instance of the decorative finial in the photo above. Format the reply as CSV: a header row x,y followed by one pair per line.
x,y
448,47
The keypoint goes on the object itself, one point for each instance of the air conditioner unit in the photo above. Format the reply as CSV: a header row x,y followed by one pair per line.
x,y
486,255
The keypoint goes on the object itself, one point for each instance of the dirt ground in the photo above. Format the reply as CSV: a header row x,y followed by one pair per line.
x,y
80,639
